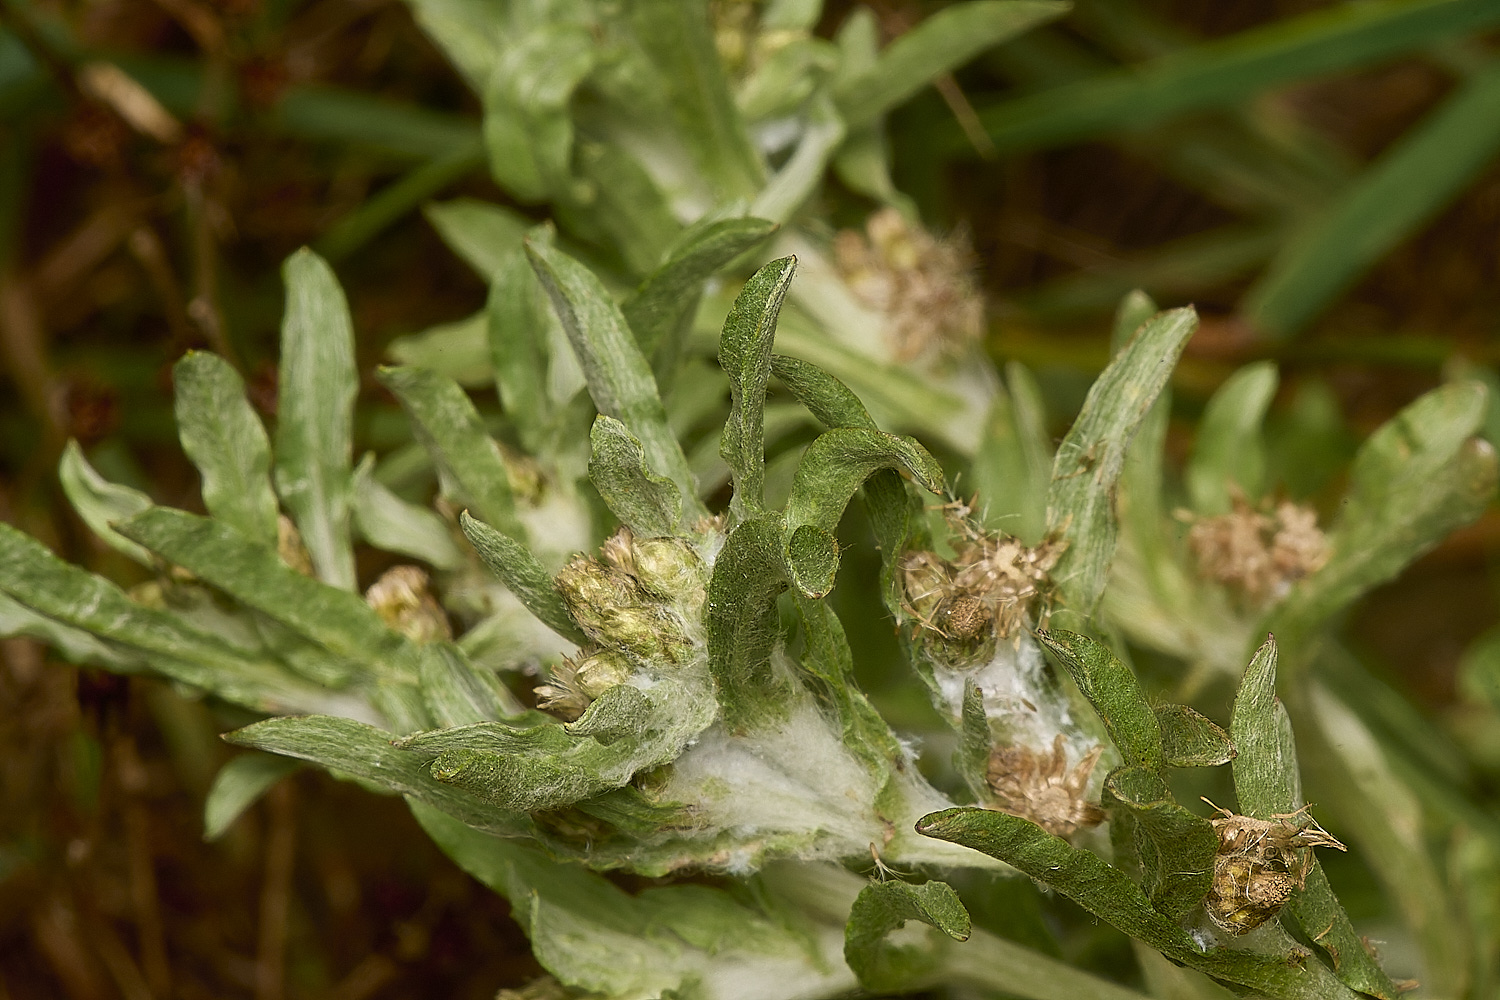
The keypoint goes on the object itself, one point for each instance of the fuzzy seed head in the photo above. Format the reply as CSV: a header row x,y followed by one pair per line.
x,y
576,683
1259,556
1039,786
1258,865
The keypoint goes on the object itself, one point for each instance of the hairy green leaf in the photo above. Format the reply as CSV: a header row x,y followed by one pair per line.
x,y
648,504
1191,740
832,402
316,386
1175,847
238,786
527,127
882,907
486,236
519,570
1080,501
388,522
226,441
742,622
1013,465
745,354
833,467
458,693
1229,454
1111,688
520,319
619,378
468,460
100,502
975,742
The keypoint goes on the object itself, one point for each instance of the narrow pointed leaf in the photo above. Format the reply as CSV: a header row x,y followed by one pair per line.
x,y
619,378
315,414
467,458
1112,689
227,442
1229,454
1080,501
833,467
832,402
648,504
519,570
486,236
883,907
518,318
238,786
1013,466
527,127
745,354
975,742
937,45
255,576
100,502
743,626
458,693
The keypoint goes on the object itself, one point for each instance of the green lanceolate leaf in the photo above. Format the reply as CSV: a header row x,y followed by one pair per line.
x,y
48,586
388,522
486,236
226,441
833,467
743,625
1268,783
745,354
1416,479
648,504
316,387
1111,688
832,402
883,907
975,742
661,309
1175,847
1191,740
519,318
100,502
519,570
1080,501
74,644
351,747
1130,315
238,786
527,128
1229,454
937,45
255,576
467,458
1108,894
619,379
456,692
1013,465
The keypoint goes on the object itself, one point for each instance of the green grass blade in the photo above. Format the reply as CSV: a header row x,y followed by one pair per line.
x,y
1411,182
391,203
315,415
227,442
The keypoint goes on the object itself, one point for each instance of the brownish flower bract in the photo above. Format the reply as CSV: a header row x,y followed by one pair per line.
x,y
1259,556
1259,864
1039,786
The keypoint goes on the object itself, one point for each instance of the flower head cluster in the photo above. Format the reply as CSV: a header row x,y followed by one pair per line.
x,y
1259,556
1039,786
1259,863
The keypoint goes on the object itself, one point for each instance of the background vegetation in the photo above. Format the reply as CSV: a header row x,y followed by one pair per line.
x,y
1318,179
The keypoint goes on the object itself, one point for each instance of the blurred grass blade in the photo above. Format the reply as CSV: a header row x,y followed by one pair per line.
x,y
1417,478
388,522
1225,71
835,465
648,504
239,785
1229,453
329,114
227,442
883,907
486,236
317,384
100,502
1410,183
745,355
1112,689
468,460
519,570
937,45
1080,500
391,203
826,398
619,379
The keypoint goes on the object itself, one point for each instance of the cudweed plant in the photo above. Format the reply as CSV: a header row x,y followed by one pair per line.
x,y
696,708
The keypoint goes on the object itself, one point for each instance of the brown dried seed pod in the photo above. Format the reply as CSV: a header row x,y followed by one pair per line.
x,y
1259,864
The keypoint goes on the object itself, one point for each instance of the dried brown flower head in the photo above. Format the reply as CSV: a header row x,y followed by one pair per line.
x,y
923,285
1259,864
987,590
1039,786
1259,556
401,598
576,683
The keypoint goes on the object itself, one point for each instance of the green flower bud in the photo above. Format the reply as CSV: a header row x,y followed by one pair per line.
x,y
600,672
612,610
669,568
